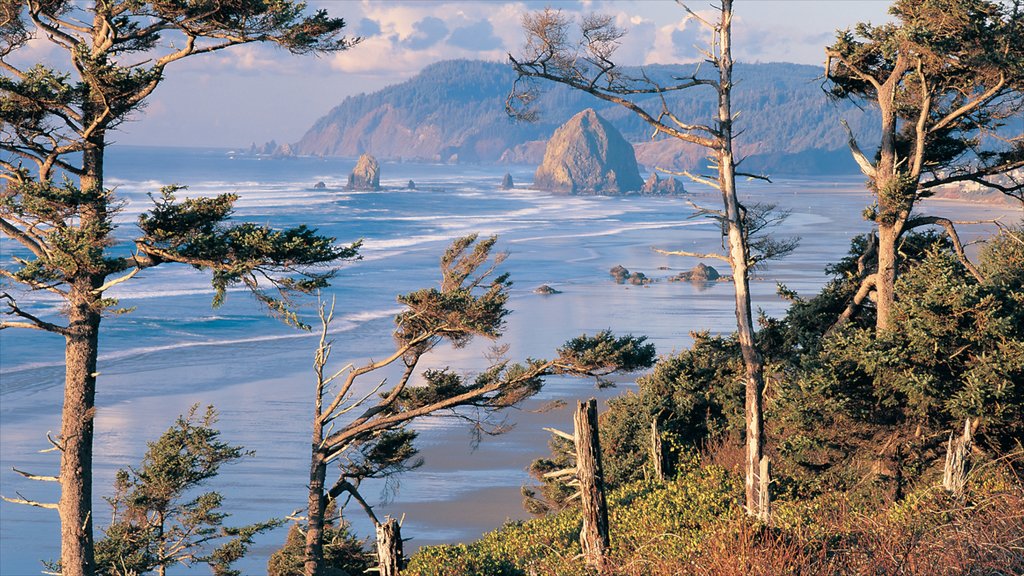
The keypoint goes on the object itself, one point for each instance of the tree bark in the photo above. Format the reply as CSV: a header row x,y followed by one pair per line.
x,y
594,534
77,417
764,508
657,452
389,547
314,549
885,281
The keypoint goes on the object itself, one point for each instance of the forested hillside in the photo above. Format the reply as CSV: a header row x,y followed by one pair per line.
x,y
454,111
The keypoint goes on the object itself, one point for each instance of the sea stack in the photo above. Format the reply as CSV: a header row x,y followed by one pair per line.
x,y
587,156
366,174
506,182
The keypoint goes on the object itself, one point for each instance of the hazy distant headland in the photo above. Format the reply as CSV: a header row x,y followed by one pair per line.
x,y
454,112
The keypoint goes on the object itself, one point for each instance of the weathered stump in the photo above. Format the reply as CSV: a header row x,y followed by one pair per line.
x,y
657,451
594,535
389,547
954,475
764,502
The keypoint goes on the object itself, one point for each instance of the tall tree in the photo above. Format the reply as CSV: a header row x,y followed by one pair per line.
x,y
946,76
371,438
54,137
552,55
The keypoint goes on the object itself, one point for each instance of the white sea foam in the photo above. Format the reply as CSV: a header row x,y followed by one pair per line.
x,y
341,324
610,231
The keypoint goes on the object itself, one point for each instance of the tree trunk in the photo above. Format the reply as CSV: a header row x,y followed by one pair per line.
x,y
389,547
594,535
657,453
954,475
739,260
75,507
314,549
885,283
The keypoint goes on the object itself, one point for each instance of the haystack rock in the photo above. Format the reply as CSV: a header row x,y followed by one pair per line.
x,y
506,182
667,187
587,155
366,174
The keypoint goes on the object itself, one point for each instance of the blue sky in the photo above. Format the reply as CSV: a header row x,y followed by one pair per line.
x,y
257,93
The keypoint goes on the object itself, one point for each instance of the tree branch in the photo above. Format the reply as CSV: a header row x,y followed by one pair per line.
x,y
865,165
27,502
854,306
951,231
721,257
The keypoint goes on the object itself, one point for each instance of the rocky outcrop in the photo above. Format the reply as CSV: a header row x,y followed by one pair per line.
x,y
656,186
411,185
700,274
320,186
623,276
506,182
546,290
587,156
366,174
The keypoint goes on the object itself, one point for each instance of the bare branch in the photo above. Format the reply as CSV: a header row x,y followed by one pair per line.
x,y
560,434
866,286
865,165
27,502
721,257
36,477
950,227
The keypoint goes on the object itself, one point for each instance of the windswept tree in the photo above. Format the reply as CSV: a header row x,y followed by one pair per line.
x,y
948,79
159,519
555,53
55,122
366,429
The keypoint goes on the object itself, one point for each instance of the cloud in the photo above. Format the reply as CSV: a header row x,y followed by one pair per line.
x,y
368,27
427,32
478,36
688,40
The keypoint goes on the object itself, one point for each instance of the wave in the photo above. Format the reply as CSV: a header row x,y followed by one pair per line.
x,y
340,324
609,232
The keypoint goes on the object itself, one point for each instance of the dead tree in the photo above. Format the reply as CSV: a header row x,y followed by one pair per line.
x,y
365,430
657,451
594,535
946,77
958,451
551,55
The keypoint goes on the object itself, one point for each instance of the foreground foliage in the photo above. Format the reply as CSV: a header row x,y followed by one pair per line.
x,y
858,437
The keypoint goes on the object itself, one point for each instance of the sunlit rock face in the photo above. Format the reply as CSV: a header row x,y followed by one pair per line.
x,y
586,156
366,174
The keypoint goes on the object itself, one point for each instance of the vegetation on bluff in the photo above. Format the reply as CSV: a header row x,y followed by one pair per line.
x,y
857,425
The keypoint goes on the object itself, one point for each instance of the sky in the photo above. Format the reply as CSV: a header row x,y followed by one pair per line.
x,y
258,93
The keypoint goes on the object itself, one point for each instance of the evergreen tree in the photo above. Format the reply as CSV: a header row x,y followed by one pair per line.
x,y
158,518
56,121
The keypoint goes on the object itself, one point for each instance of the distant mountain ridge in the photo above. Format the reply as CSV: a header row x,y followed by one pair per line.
x,y
454,111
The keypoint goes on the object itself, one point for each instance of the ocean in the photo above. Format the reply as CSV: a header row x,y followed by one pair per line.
x,y
174,350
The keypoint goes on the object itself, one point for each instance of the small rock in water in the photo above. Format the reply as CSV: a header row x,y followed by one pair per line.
x,y
545,289
411,185
506,182
620,273
320,186
699,273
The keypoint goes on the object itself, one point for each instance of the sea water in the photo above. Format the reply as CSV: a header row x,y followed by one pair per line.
x,y
173,350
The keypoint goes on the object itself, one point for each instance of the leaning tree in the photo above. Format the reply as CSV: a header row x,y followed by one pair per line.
x,y
366,428
584,61
948,79
56,119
